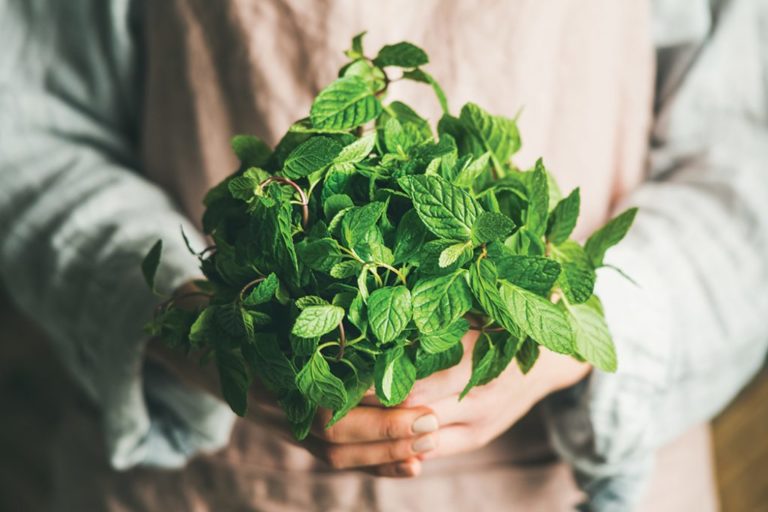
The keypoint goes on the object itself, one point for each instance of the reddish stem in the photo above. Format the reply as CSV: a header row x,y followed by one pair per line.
x,y
170,301
342,341
302,195
249,284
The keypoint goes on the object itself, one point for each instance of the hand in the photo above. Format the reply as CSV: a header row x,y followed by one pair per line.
x,y
488,411
385,442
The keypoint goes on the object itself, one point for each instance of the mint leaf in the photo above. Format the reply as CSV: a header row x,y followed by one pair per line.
x,y
534,273
496,134
427,364
357,151
446,210
299,411
593,340
539,318
345,104
482,362
450,254
577,278
150,263
312,155
538,199
310,300
483,281
359,221
608,236
439,301
317,320
444,339
269,363
469,175
404,55
563,218
251,150
356,384
419,75
394,375
491,226
356,51
234,379
262,292
409,237
389,311
318,384
527,355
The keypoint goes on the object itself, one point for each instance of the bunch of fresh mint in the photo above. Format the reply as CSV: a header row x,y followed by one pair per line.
x,y
362,249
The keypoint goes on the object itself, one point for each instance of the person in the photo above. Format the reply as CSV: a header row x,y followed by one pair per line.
x,y
116,118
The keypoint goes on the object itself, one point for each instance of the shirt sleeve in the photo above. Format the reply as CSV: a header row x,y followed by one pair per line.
x,y
76,218
693,331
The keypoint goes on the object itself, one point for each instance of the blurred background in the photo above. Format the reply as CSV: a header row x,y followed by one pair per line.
x,y
30,372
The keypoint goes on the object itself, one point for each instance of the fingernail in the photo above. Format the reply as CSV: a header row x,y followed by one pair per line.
x,y
423,444
425,424
404,469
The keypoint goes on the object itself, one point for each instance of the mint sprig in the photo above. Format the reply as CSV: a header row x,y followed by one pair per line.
x,y
359,251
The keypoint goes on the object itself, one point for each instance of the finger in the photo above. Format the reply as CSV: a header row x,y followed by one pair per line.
x,y
439,385
403,469
366,424
346,456
453,440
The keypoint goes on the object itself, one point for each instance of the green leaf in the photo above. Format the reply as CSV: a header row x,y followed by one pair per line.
x,y
452,253
538,200
483,281
234,379
356,51
608,236
483,356
299,411
496,134
444,339
593,340
538,318
345,104
440,301
404,55
150,263
527,355
310,156
358,150
533,273
356,385
394,375
409,237
427,364
203,326
491,226
428,258
244,187
251,150
310,300
346,269
563,218
446,210
577,278
419,75
320,254
269,363
317,320
336,203
468,176
359,221
318,384
389,311
262,292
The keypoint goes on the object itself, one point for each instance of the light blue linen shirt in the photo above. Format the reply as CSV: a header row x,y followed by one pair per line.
x,y
76,217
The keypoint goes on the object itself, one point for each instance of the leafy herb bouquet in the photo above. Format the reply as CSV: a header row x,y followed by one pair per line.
x,y
362,249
